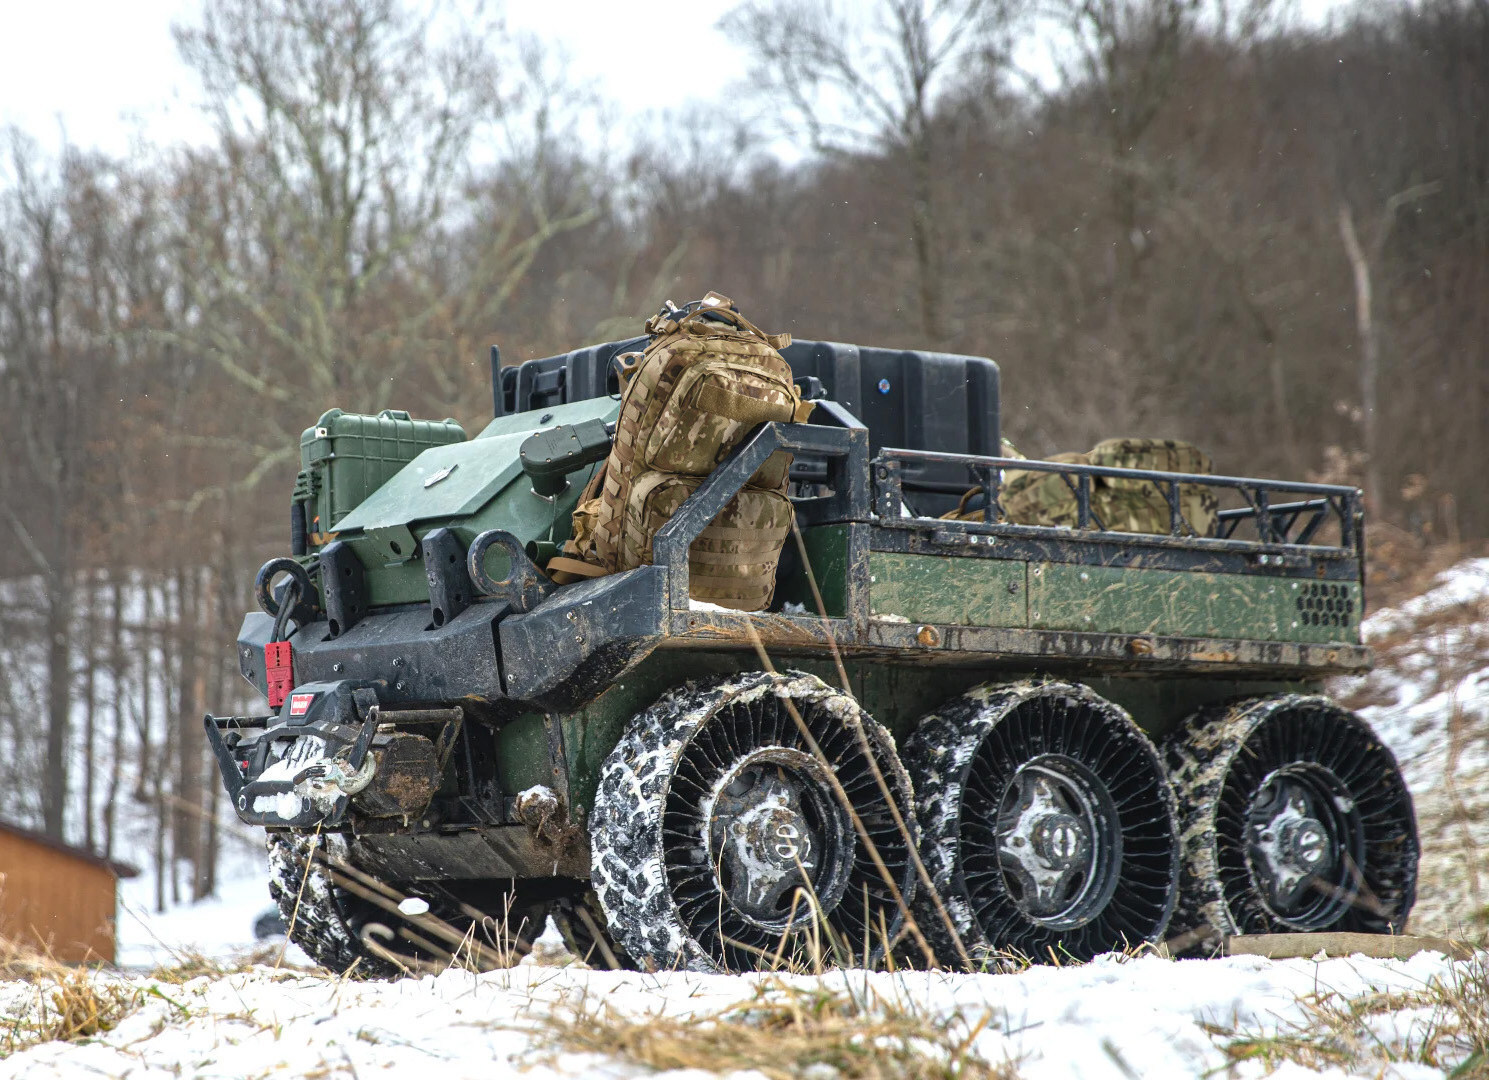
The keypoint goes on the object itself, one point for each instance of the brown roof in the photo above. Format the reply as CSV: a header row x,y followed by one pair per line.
x,y
119,869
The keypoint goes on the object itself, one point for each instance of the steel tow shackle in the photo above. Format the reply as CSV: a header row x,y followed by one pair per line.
x,y
525,584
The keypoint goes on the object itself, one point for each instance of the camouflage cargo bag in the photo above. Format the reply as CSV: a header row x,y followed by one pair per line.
x,y
705,380
733,561
1041,498
1141,506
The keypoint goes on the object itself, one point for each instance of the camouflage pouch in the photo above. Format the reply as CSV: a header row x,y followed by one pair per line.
x,y
1141,506
733,561
577,560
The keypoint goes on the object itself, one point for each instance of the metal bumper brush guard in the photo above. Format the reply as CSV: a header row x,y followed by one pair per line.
x,y
305,771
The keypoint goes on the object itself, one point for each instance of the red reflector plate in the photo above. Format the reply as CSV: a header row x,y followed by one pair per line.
x,y
279,671
300,704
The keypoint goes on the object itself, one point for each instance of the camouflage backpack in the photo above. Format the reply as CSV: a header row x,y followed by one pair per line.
x,y
1142,506
705,379
1138,506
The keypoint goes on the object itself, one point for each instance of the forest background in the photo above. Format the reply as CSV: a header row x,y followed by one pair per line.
x,y
1263,234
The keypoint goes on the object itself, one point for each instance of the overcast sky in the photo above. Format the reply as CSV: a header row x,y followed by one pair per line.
x,y
107,70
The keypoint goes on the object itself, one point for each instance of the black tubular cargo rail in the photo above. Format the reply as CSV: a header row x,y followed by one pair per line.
x,y
1295,523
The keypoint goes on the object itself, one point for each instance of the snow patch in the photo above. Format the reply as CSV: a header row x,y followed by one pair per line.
x,y
1428,700
704,605
1110,1018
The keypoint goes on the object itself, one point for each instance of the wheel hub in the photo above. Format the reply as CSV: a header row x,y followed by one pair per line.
x,y
772,831
1298,828
1061,842
1048,843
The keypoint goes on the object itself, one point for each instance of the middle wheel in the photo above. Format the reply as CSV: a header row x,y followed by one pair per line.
x,y
721,832
1049,825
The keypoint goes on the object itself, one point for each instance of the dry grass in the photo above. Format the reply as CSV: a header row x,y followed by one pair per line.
x,y
1440,653
1400,565
24,963
788,1032
75,1003
1445,1025
70,1005
188,965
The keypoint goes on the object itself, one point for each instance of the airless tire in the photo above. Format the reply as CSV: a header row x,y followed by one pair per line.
x,y
348,920
732,828
1295,819
1049,827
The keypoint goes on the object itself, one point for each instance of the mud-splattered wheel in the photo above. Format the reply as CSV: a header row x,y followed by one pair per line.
x,y
1048,824
720,833
1294,818
346,919
325,919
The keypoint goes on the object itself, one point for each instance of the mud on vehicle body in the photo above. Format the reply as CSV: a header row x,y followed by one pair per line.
x,y
1107,737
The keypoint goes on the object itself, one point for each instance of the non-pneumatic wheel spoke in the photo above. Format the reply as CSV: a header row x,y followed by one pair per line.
x,y
1048,825
1296,819
720,836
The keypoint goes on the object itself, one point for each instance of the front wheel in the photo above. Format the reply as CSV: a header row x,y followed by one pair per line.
x,y
349,920
736,826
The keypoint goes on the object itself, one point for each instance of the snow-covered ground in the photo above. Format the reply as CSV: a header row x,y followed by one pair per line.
x,y
1109,1019
1428,698
220,928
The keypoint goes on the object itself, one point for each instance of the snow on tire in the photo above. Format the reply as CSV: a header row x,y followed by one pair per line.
x,y
717,825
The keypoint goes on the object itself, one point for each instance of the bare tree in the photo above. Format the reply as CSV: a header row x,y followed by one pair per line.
x,y
1363,262
868,78
347,130
47,382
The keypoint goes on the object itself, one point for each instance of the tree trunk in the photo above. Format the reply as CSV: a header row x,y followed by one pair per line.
x,y
118,679
203,619
59,702
145,642
1369,359
185,825
90,686
927,249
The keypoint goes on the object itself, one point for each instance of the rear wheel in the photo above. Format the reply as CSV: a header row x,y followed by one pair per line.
x,y
1048,824
720,837
348,920
1295,819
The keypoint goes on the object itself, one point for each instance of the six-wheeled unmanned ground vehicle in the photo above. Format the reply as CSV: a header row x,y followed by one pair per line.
x,y
1047,740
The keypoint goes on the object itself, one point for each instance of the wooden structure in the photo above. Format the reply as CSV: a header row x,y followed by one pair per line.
x,y
1380,946
58,899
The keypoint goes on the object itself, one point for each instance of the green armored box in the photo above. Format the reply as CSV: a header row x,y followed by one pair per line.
x,y
345,457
